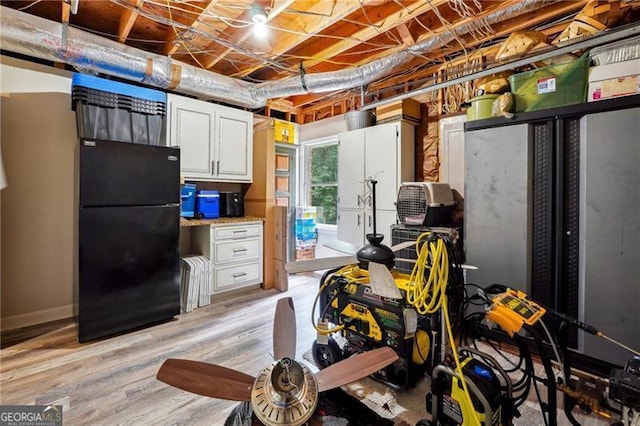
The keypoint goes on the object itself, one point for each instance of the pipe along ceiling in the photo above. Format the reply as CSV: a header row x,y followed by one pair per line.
x,y
37,37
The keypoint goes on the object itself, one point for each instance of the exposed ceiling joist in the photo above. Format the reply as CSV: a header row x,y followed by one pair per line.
x,y
127,20
241,35
306,27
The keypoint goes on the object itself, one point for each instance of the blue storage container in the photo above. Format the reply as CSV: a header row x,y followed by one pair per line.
x,y
188,200
208,204
110,110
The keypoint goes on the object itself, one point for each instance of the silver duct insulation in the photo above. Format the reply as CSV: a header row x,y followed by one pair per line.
x,y
33,36
445,38
44,39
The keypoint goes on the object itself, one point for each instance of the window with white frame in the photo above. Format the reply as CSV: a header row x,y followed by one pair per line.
x,y
321,177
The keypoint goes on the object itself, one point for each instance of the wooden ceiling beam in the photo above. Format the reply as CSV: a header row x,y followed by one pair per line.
x,y
310,26
502,29
173,39
278,7
519,23
127,20
66,12
387,23
406,35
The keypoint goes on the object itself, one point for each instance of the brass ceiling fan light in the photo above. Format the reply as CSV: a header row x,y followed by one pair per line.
x,y
286,392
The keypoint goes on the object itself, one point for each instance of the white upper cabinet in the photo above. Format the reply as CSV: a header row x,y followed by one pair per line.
x,y
235,144
216,142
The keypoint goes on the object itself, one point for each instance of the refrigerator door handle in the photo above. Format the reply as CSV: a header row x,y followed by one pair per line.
x,y
218,167
213,167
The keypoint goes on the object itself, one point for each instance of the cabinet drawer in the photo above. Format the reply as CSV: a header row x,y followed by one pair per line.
x,y
238,250
238,276
236,232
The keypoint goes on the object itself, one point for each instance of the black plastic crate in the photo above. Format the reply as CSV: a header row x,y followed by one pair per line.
x,y
118,124
403,233
121,112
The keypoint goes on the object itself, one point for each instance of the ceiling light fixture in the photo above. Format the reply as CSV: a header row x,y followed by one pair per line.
x,y
259,18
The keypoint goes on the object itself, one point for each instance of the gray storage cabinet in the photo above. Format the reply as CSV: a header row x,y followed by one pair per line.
x,y
552,207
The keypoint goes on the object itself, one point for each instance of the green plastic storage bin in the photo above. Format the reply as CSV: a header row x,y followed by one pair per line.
x,y
551,86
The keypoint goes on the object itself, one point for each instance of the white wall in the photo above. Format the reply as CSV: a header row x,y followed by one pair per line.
x,y
322,129
37,209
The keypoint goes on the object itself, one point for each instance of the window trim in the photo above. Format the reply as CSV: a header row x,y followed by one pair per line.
x,y
304,188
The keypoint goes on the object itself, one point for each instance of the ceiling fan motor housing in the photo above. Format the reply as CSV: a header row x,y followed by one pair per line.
x,y
285,394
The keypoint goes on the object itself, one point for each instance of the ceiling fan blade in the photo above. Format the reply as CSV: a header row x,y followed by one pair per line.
x,y
284,329
342,246
382,282
355,368
403,245
319,264
206,379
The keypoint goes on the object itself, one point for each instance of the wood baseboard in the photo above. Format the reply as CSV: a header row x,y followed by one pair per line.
x,y
37,317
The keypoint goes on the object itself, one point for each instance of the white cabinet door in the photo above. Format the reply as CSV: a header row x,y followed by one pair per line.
x,y
191,127
381,163
234,138
351,224
452,152
384,220
351,170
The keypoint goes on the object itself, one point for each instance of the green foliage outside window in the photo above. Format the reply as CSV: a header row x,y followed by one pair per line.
x,y
323,187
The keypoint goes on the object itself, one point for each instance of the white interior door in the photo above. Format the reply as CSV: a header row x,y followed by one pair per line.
x,y
452,152
381,163
351,169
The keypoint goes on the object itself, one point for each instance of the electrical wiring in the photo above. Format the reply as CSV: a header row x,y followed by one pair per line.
x,y
344,272
388,34
179,37
425,295
555,351
114,36
239,49
29,5
429,297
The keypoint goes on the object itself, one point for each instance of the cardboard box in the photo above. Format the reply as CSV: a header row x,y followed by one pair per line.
x,y
406,109
280,234
614,80
306,253
280,276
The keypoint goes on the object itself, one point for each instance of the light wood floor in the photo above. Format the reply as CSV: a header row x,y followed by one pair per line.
x,y
112,381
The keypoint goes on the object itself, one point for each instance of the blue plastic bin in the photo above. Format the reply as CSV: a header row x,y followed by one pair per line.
x,y
110,110
208,204
188,200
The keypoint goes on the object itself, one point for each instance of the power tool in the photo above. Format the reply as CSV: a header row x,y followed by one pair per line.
x,y
489,400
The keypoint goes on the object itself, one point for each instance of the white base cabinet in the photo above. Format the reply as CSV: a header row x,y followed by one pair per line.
x,y
235,252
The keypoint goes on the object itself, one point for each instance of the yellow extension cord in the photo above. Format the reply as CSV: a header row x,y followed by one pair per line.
x,y
344,272
428,295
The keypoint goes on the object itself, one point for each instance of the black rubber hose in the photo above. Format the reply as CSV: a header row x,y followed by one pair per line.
x,y
551,380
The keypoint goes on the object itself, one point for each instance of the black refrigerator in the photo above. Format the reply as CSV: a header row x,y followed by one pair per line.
x,y
128,236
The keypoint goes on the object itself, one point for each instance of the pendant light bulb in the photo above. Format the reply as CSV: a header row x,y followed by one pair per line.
x,y
259,19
